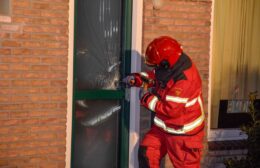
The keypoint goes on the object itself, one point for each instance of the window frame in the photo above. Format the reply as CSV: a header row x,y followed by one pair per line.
x,y
7,12
218,134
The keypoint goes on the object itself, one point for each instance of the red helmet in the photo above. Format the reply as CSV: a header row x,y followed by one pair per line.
x,y
163,50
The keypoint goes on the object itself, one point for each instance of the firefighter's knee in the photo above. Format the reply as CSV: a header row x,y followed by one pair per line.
x,y
142,157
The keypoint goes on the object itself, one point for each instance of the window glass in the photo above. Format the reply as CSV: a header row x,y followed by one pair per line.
x,y
98,35
95,133
235,60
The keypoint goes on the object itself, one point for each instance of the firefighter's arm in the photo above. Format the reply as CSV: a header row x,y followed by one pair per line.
x,y
173,104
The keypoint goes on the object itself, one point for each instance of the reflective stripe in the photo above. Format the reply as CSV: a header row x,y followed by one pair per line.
x,y
192,102
144,74
187,127
176,99
152,103
182,100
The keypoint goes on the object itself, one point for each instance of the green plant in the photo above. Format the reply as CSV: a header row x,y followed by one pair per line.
x,y
252,160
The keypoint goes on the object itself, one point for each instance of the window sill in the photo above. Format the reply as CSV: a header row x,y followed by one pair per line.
x,y
227,145
5,19
226,134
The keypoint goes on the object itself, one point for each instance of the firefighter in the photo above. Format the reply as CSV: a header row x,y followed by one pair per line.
x,y
176,101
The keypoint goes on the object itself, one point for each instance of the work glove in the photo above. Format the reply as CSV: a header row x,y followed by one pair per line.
x,y
129,81
134,79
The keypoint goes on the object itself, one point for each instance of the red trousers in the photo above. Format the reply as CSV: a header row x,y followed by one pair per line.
x,y
184,151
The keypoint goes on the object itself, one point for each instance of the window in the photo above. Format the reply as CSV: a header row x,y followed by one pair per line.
x,y
235,61
4,7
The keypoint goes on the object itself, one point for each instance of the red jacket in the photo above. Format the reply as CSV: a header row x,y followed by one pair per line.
x,y
176,97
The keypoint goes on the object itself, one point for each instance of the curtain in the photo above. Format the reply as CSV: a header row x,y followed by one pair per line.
x,y
235,52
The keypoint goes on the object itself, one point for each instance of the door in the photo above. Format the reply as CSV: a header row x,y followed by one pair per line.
x,y
101,59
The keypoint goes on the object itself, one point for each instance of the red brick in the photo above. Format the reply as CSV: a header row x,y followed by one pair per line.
x,y
27,12
60,7
63,105
40,83
4,35
9,43
44,29
57,45
41,21
40,67
21,19
59,83
49,165
41,5
54,14
31,60
46,113
10,28
52,121
5,51
50,90
51,60
42,36
21,36
22,51
20,67
57,52
32,44
39,98
59,98
57,157
4,67
38,159
3,162
10,59
19,98
10,75
24,83
5,83
19,91
4,99
20,114
21,3
58,21
59,68
9,122
4,115
29,121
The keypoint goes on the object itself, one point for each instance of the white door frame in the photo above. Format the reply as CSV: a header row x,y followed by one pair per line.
x,y
134,128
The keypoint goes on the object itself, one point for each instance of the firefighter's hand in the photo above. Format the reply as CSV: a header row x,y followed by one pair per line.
x,y
129,80
146,99
134,79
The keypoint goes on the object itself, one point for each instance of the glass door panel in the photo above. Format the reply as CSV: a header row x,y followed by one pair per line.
x,y
96,133
101,58
98,43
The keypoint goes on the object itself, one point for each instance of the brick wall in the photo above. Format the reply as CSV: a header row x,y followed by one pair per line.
x,y
189,22
33,79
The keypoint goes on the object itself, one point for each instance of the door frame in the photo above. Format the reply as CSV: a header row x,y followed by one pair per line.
x,y
134,128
